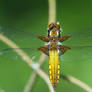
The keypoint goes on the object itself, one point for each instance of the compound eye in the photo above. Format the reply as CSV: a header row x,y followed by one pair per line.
x,y
51,26
57,26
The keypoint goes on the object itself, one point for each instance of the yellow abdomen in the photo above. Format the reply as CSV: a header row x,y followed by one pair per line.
x,y
54,67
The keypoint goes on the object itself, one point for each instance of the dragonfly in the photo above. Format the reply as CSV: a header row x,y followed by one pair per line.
x,y
58,47
54,49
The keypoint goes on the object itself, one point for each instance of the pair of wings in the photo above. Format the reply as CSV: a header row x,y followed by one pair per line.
x,y
80,43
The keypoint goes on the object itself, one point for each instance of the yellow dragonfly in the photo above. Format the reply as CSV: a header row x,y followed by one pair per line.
x,y
54,49
80,45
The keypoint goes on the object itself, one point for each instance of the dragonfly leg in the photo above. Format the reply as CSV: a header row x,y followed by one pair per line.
x,y
64,38
63,49
44,50
43,38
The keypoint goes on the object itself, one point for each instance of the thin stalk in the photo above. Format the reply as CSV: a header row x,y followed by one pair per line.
x,y
78,83
51,18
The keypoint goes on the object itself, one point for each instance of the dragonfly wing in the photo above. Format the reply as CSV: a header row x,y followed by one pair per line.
x,y
81,46
22,38
27,41
80,41
81,38
78,54
10,54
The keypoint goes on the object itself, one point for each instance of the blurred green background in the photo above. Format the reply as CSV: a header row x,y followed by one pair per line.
x,y
32,15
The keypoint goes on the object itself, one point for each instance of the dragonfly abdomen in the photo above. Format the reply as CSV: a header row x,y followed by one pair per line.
x,y
54,67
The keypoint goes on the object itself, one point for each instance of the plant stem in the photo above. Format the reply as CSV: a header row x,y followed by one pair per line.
x,y
52,18
77,82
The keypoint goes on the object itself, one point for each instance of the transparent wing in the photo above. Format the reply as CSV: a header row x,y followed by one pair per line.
x,y
80,42
11,54
81,46
81,38
22,38
27,41
77,54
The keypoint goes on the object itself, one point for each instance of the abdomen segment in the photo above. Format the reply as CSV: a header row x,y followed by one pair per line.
x,y
54,67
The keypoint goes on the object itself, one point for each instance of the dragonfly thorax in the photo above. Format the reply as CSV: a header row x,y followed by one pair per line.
x,y
54,40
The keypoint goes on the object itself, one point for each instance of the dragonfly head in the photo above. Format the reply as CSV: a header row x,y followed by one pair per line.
x,y
54,30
